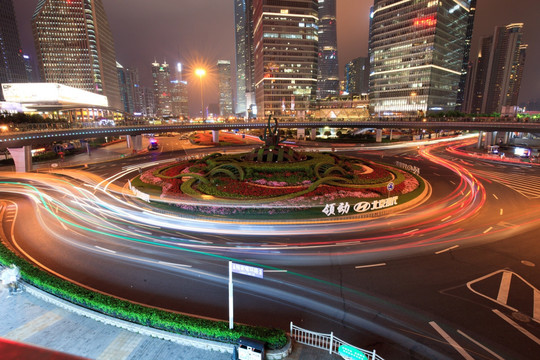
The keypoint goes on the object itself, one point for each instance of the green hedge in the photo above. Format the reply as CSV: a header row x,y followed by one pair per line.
x,y
139,314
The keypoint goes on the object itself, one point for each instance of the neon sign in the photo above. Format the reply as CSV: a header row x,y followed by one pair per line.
x,y
427,21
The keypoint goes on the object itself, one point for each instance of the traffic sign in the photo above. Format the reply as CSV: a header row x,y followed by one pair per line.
x,y
352,353
247,270
390,186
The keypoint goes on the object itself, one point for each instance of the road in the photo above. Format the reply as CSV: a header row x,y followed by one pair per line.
x,y
460,267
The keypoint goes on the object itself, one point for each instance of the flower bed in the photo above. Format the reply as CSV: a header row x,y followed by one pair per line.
x,y
232,184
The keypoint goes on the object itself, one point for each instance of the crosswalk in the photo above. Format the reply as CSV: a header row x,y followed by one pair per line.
x,y
527,185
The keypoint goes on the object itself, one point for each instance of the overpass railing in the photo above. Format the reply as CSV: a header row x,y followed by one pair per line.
x,y
55,126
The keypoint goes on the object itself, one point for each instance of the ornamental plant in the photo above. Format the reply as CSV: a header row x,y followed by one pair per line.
x,y
270,176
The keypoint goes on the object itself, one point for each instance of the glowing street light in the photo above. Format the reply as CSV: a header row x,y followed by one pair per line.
x,y
200,73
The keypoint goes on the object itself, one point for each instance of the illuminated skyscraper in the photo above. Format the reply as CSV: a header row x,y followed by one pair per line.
x,y
179,94
224,87
161,76
500,65
328,78
357,76
75,47
285,56
417,54
126,88
466,66
12,68
241,8
245,73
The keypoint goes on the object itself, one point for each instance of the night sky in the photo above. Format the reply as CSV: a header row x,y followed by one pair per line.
x,y
202,32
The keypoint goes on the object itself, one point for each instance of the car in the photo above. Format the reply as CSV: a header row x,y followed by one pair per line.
x,y
153,145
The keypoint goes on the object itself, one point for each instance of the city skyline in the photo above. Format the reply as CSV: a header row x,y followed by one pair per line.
x,y
176,31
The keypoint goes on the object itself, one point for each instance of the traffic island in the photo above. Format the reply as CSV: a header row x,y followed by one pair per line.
x,y
279,183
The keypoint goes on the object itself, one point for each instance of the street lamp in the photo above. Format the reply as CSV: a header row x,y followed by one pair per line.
x,y
200,73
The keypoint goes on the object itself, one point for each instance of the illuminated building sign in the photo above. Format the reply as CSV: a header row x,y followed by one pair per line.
x,y
51,93
361,207
427,21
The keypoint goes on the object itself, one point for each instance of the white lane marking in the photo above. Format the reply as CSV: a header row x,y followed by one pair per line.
x,y
501,212
451,341
174,264
488,229
536,310
369,266
410,231
448,249
453,183
495,196
275,271
504,288
446,218
107,250
480,345
519,328
470,283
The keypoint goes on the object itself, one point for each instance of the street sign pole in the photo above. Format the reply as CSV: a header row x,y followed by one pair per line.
x,y
240,269
231,307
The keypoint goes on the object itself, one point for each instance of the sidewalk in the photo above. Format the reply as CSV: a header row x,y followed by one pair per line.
x,y
27,319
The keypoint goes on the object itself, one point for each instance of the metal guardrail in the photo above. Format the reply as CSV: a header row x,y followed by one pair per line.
x,y
327,342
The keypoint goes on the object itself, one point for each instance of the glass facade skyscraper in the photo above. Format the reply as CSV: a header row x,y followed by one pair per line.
x,y
161,76
499,70
12,67
285,56
75,47
241,8
328,77
224,87
357,76
416,54
126,88
245,73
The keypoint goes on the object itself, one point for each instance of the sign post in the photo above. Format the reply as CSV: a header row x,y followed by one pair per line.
x,y
240,269
390,187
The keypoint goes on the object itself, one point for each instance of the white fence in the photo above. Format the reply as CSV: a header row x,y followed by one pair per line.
x,y
326,342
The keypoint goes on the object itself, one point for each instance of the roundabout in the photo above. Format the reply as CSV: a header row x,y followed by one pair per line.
x,y
328,268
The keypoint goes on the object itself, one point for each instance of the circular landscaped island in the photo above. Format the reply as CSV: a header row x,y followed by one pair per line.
x,y
280,183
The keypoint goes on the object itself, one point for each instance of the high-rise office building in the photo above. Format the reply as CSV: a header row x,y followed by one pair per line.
x,y
179,94
224,87
149,102
139,107
285,56
126,88
12,67
75,47
466,67
241,8
478,77
416,55
245,68
32,74
161,77
328,77
357,76
503,68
